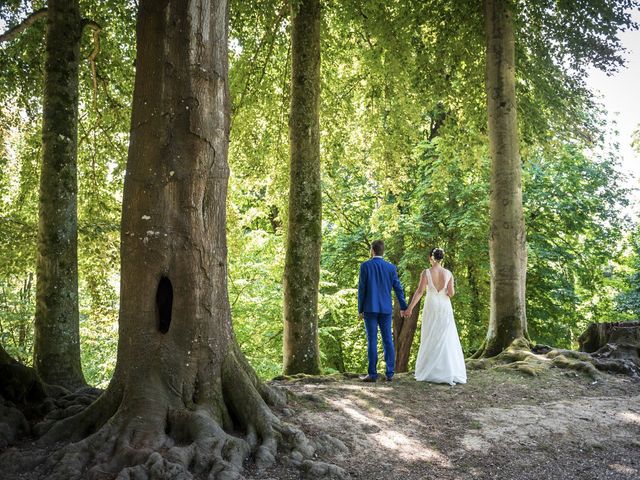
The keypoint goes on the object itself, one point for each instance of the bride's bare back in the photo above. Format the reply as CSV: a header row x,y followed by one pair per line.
x,y
439,276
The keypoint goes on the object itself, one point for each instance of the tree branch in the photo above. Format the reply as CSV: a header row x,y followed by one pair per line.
x,y
94,53
270,37
12,33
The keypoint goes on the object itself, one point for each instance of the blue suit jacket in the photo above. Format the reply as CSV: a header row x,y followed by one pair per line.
x,y
377,278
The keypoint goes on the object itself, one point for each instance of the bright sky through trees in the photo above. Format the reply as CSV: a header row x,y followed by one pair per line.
x,y
620,94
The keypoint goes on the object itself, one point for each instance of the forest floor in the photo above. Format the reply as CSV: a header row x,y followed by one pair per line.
x,y
501,424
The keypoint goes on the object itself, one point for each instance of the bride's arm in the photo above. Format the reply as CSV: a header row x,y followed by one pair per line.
x,y
418,293
451,289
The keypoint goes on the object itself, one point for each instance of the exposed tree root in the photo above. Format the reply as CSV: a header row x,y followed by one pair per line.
x,y
306,378
13,424
24,399
183,441
519,357
478,353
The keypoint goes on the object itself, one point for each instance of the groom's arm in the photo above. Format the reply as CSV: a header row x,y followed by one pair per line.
x,y
361,288
397,287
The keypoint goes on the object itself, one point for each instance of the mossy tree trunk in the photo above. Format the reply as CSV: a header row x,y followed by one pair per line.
x,y
304,234
183,401
57,337
507,243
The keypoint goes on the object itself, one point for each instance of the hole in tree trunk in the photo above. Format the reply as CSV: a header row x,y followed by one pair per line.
x,y
164,303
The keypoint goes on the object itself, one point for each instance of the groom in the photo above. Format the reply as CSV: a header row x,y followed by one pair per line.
x,y
377,278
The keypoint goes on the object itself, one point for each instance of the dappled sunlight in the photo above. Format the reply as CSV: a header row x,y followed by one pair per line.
x,y
530,425
375,427
350,407
623,469
410,449
356,415
630,417
412,430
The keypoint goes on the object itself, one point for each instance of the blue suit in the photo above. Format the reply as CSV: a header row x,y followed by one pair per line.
x,y
377,279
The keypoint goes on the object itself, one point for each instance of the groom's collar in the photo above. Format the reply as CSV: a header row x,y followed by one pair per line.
x,y
378,256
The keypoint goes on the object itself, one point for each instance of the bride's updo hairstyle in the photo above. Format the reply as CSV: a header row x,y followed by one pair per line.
x,y
437,254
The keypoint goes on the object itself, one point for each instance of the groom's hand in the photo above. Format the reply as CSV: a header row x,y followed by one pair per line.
x,y
361,315
403,313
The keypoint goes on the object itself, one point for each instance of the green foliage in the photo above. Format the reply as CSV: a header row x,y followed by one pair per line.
x,y
575,232
404,152
628,300
103,130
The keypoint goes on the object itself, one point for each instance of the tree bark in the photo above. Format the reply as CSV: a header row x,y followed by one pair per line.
x,y
404,329
507,243
181,382
57,336
20,384
304,234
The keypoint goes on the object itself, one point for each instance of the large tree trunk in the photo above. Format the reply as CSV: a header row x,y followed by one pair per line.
x,y
507,246
304,234
57,336
181,382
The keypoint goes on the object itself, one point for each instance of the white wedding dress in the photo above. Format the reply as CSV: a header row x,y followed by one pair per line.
x,y
440,358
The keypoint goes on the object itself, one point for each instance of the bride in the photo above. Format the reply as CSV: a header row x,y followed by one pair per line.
x,y
440,357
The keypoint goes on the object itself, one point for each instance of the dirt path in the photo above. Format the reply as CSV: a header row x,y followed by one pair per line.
x,y
500,425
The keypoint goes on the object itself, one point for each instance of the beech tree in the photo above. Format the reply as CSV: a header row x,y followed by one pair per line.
x,y
181,382
304,234
507,242
57,335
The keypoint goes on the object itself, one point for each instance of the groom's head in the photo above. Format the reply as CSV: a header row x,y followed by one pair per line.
x,y
377,248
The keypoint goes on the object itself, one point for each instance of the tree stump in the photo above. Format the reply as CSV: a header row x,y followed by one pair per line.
x,y
404,330
613,341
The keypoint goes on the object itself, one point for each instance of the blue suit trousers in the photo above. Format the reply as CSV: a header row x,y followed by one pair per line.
x,y
371,323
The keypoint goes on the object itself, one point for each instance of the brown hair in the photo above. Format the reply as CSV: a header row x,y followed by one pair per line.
x,y
378,247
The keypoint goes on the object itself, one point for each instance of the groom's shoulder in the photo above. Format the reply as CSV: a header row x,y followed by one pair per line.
x,y
390,265
377,261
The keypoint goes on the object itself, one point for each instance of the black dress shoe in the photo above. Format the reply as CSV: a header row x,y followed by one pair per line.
x,y
389,379
368,378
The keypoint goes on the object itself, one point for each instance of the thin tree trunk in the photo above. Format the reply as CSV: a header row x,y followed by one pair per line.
x,y
57,337
304,234
507,244
476,307
404,329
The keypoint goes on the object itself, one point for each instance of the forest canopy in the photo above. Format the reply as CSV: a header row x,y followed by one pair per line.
x,y
404,157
